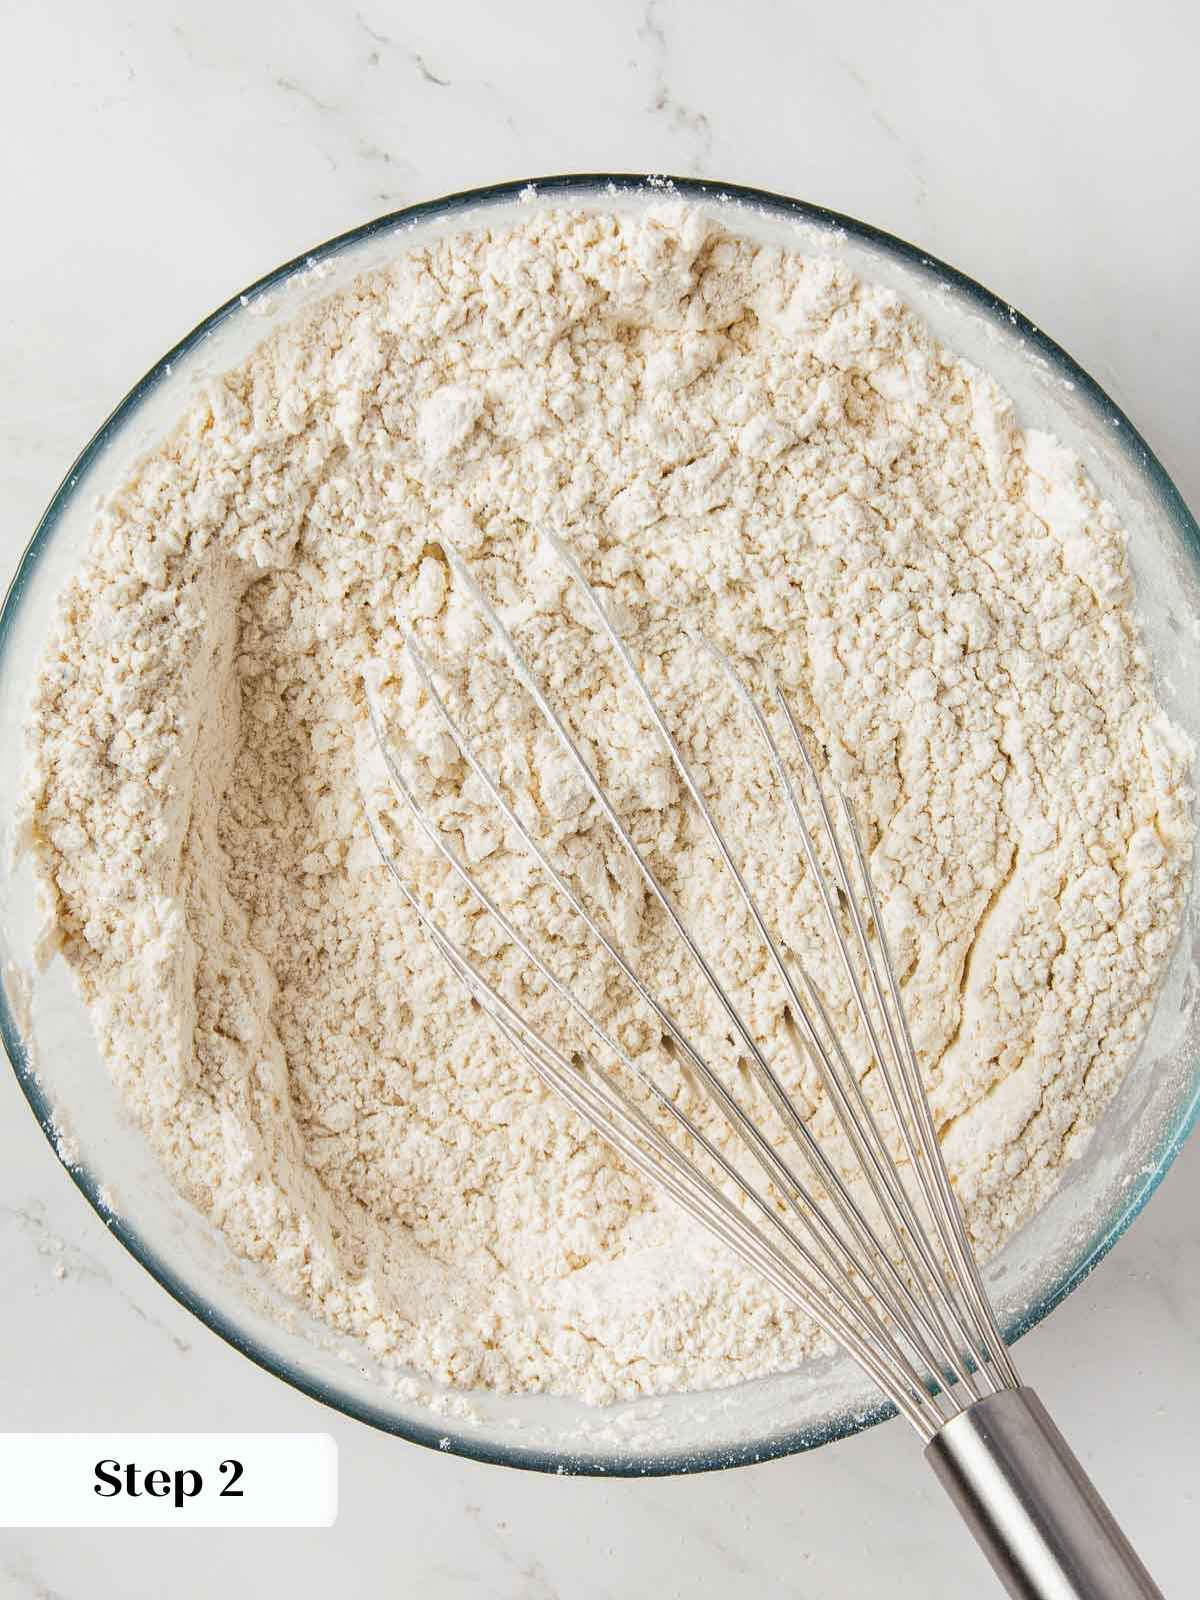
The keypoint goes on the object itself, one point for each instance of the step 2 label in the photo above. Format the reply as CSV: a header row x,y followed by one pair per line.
x,y
168,1480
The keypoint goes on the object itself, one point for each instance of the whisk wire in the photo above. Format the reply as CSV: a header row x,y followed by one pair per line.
x,y
948,1361
834,1271
930,1351
916,1128
927,1347
902,1224
949,1216
622,1123
970,1335
913,1314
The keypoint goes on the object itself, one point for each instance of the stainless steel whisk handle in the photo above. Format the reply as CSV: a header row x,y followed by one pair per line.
x,y
1033,1510
903,1297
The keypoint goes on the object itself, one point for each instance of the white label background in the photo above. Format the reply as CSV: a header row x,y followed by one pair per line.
x,y
289,1480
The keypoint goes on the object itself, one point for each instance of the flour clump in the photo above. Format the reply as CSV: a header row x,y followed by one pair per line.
x,y
728,435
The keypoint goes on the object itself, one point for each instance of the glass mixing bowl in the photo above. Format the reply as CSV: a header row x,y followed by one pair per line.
x,y
50,1042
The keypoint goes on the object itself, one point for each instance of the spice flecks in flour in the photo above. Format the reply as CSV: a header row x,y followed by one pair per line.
x,y
726,433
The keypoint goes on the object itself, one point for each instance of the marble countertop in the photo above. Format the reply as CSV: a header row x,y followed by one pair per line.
x,y
156,158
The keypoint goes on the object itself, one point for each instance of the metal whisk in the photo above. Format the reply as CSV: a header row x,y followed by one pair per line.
x,y
892,1277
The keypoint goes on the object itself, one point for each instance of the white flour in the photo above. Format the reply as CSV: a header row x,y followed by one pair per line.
x,y
729,435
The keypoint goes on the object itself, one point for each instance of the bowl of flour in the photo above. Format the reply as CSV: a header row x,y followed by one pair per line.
x,y
834,456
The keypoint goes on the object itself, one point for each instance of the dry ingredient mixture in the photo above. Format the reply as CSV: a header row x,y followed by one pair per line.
x,y
728,435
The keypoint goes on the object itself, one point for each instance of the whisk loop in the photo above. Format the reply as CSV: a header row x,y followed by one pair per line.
x,y
902,1294
897,1303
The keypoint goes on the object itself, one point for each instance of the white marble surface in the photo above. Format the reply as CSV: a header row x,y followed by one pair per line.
x,y
156,158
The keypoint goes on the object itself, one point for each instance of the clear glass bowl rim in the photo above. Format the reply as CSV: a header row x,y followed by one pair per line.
x,y
445,1436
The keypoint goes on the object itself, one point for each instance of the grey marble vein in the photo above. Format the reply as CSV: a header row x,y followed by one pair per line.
x,y
664,103
70,1262
20,1577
